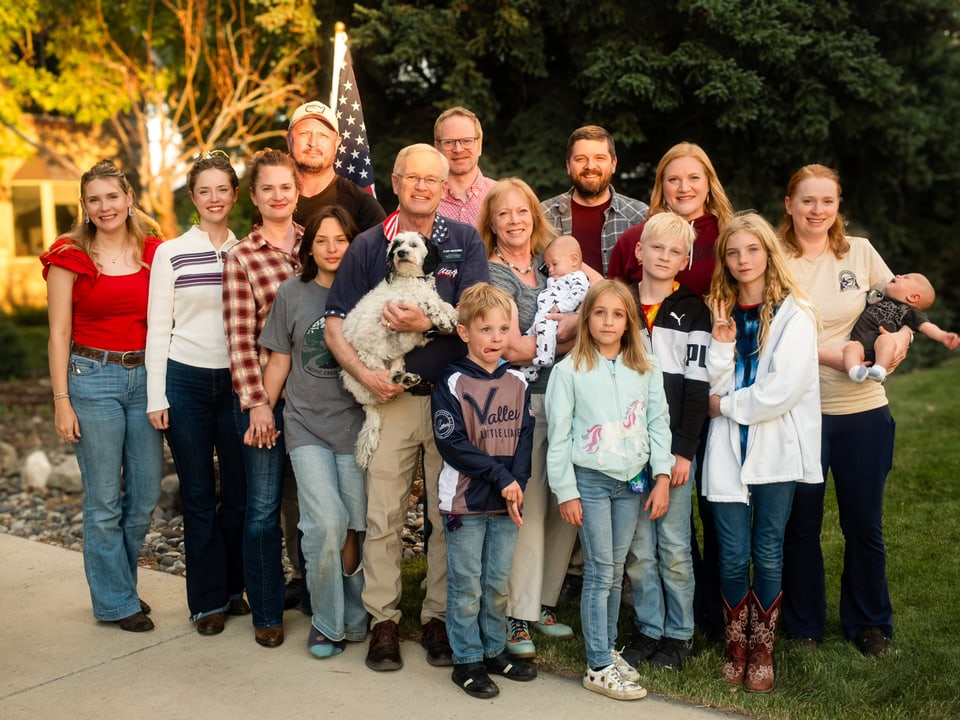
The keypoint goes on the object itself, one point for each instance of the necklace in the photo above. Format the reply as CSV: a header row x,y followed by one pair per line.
x,y
522,271
123,249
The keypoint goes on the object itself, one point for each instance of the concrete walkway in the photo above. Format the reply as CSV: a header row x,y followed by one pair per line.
x,y
56,661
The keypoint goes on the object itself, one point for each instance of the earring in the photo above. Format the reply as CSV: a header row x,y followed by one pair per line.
x,y
86,218
130,211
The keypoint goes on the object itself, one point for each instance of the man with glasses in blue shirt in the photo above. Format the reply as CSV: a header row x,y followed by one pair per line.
x,y
458,135
419,174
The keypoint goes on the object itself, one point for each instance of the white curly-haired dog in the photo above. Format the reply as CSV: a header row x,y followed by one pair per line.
x,y
411,260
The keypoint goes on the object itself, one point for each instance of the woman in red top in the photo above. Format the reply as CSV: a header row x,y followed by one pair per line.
x,y
686,184
97,278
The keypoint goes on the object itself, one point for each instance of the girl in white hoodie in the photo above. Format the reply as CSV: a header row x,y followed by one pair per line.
x,y
764,436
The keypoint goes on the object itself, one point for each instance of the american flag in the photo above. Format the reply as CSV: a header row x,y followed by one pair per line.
x,y
353,159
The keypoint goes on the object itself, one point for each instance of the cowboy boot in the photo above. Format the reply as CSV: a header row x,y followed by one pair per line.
x,y
763,631
735,624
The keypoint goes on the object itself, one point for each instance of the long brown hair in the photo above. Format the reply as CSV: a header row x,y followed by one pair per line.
x,y
778,278
836,235
631,346
139,225
542,232
717,203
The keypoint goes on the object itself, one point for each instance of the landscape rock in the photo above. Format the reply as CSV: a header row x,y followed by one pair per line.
x,y
36,469
66,475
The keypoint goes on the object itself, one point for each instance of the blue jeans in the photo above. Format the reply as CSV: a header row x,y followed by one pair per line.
x,y
121,459
754,530
479,557
610,515
201,422
332,501
858,449
262,537
670,580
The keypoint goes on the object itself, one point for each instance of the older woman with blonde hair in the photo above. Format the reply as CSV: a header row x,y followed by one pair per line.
x,y
515,231
686,183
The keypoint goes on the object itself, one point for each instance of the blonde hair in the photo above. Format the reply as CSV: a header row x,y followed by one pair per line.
x,y
478,300
716,204
140,226
456,111
779,281
836,235
585,350
669,225
541,233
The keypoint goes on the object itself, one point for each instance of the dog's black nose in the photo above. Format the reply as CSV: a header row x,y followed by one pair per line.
x,y
402,253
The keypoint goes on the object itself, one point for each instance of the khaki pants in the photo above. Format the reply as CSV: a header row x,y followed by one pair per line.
x,y
407,426
544,542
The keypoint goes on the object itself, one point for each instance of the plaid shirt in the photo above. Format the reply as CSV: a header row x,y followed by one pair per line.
x,y
252,273
624,212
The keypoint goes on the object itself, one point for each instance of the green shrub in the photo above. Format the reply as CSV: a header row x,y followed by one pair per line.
x,y
13,359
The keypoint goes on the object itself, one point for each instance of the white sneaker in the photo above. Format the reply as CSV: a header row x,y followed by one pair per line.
x,y
611,683
626,669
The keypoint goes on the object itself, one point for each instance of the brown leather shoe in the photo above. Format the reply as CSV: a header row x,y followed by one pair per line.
x,y
269,636
210,624
238,607
434,640
144,608
384,650
138,622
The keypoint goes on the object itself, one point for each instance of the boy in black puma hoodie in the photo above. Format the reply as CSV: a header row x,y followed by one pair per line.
x,y
676,330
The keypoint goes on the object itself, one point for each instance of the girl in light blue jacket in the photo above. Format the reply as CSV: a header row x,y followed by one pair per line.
x,y
607,420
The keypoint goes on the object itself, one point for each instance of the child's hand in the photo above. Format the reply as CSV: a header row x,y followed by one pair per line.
x,y
680,475
724,330
572,512
951,340
658,501
714,406
513,494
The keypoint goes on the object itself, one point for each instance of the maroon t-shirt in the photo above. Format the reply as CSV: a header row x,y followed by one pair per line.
x,y
587,229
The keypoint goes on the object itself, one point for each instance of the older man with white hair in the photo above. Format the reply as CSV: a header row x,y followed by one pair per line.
x,y
419,175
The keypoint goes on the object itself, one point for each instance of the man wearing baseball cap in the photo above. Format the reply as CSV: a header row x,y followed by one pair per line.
x,y
313,138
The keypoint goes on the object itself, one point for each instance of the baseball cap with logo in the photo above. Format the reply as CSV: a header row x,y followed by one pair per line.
x,y
318,110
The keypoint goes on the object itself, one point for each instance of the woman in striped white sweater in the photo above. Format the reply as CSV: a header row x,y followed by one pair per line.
x,y
189,394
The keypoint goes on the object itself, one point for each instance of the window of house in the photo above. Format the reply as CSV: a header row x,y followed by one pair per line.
x,y
42,211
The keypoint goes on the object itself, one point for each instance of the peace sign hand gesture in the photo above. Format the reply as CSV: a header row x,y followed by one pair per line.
x,y
724,330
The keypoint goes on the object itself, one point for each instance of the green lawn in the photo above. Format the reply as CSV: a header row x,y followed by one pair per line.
x,y
921,678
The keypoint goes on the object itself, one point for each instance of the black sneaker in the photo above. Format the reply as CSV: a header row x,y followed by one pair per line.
x,y
434,640
672,653
873,641
640,649
384,650
472,678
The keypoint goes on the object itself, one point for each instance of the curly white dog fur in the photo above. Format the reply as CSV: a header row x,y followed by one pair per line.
x,y
411,260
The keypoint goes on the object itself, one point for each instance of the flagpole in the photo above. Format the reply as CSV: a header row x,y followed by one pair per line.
x,y
339,53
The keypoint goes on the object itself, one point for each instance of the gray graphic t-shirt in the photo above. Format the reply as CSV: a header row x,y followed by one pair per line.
x,y
318,410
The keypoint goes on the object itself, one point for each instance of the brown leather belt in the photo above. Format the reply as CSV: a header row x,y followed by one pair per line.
x,y
128,359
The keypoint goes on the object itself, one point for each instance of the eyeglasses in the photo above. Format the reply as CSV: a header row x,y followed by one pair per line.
x,y
450,143
428,180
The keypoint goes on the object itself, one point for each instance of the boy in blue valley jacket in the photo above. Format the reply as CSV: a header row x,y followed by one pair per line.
x,y
676,330
484,433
